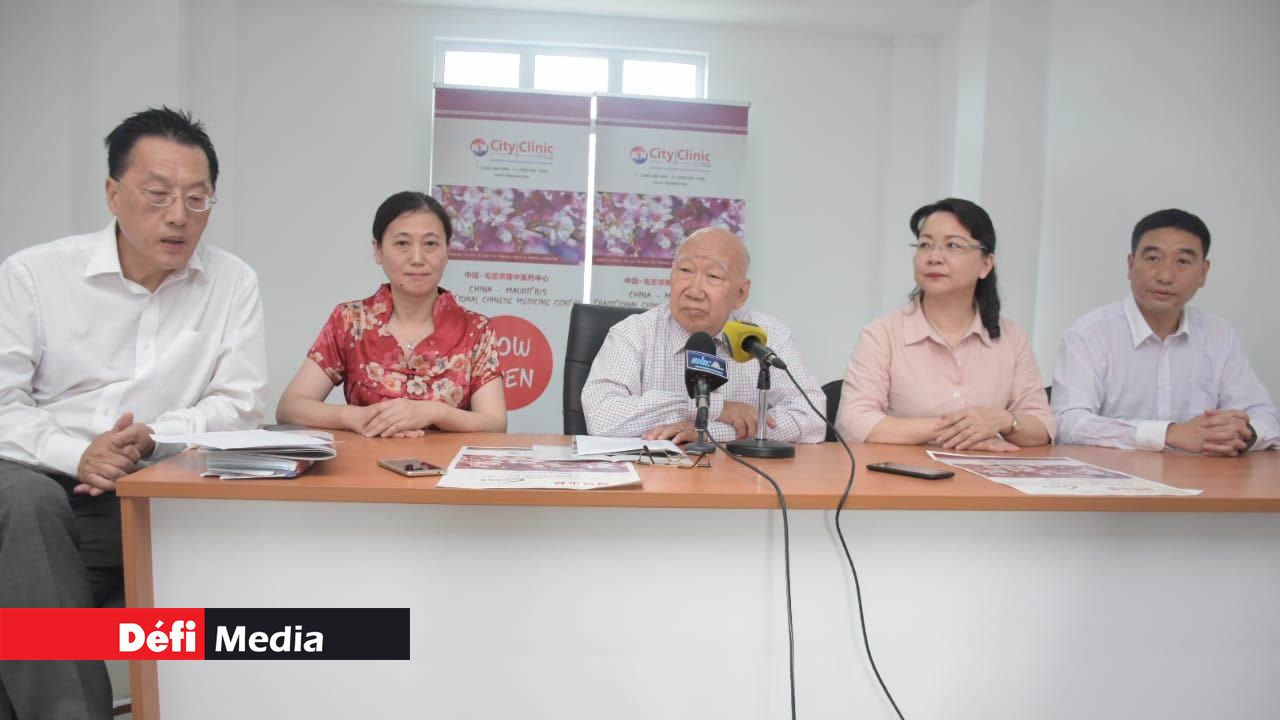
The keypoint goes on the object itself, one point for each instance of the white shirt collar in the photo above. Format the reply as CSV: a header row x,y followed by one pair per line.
x,y
1140,330
106,257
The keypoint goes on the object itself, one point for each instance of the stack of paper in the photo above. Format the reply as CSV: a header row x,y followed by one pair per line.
x,y
257,453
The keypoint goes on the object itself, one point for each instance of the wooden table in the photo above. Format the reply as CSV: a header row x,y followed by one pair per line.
x,y
931,580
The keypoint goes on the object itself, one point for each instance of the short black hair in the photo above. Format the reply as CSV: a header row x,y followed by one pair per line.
x,y
1172,218
406,202
976,220
177,125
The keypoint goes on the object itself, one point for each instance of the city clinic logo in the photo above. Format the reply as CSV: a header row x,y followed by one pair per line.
x,y
639,155
479,147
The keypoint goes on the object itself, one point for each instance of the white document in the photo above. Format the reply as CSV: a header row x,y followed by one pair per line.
x,y
257,453
592,445
240,464
249,474
563,452
1056,476
480,468
247,439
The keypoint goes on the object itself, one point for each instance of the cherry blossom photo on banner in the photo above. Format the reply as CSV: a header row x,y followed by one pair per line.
x,y
643,230
504,224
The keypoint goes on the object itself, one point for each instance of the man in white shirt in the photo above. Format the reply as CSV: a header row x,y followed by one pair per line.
x,y
1150,373
104,339
636,385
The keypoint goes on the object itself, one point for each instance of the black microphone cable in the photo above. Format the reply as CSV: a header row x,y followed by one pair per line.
x,y
857,586
786,559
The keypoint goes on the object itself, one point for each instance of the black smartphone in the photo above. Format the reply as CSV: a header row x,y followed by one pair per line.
x,y
412,467
909,471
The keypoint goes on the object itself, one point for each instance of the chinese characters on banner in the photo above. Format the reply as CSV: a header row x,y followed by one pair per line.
x,y
511,168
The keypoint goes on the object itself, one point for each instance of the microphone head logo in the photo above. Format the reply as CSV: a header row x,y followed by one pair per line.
x,y
706,363
639,155
479,147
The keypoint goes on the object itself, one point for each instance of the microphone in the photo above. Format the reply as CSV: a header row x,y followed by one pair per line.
x,y
747,341
704,371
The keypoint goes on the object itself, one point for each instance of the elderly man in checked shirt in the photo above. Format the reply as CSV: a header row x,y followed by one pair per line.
x,y
636,386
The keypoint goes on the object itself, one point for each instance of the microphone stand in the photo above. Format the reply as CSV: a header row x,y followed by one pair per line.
x,y
703,445
760,446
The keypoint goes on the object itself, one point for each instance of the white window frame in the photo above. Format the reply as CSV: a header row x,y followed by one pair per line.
x,y
527,51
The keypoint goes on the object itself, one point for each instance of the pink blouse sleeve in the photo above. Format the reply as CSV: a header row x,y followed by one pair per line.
x,y
1029,398
864,396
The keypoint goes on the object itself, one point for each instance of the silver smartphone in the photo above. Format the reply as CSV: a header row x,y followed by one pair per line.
x,y
413,467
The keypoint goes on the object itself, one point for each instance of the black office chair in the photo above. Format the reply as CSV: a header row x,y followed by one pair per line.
x,y
832,391
588,326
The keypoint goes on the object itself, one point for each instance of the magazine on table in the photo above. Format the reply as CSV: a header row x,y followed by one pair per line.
x,y
1056,475
486,468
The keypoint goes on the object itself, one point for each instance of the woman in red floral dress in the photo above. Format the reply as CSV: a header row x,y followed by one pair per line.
x,y
409,358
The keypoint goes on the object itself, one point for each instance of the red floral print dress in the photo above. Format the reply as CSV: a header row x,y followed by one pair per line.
x,y
355,348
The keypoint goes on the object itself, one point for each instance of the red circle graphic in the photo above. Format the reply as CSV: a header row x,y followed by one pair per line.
x,y
525,357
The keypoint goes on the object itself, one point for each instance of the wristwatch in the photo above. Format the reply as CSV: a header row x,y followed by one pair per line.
x,y
1253,437
1014,425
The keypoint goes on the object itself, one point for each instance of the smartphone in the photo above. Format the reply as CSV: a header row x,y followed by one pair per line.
x,y
909,471
412,467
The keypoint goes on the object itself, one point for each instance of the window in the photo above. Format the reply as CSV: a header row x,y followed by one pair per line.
x,y
657,77
490,69
571,69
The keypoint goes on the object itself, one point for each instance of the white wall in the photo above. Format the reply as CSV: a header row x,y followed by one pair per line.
x,y
319,110
914,170
1013,146
997,61
967,59
1067,120
1155,105
342,119
69,71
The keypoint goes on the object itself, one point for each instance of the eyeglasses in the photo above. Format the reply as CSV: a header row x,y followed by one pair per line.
x,y
694,460
195,202
950,247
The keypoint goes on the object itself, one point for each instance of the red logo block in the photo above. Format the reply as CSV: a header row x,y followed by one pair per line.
x,y
106,633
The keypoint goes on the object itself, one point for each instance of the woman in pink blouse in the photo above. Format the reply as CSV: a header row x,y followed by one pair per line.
x,y
409,358
946,369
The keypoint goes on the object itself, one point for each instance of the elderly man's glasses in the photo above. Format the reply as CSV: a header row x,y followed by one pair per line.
x,y
693,460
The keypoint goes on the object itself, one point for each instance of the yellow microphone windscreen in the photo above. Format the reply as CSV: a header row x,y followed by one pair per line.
x,y
737,333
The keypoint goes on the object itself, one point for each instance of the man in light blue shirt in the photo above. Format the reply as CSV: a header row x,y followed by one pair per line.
x,y
1150,373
